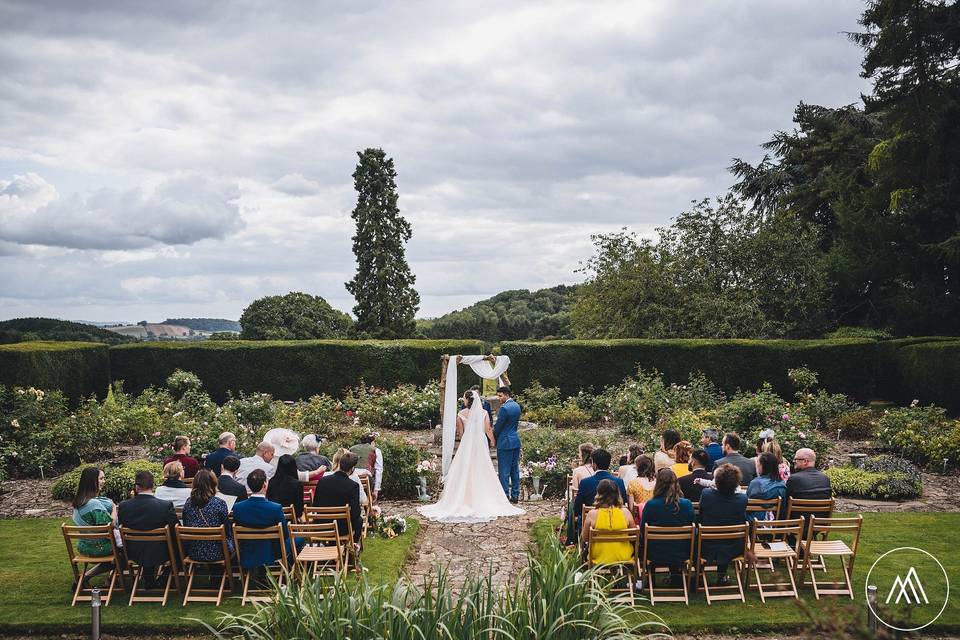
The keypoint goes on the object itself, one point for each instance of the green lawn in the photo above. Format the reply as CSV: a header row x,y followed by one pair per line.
x,y
933,532
36,579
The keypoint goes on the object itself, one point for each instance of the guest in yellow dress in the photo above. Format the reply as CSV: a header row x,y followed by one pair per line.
x,y
609,515
640,489
681,453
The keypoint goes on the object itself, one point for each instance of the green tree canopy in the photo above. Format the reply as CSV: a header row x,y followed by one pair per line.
x,y
295,316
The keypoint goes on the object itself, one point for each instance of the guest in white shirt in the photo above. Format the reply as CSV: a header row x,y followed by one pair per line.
x,y
262,460
628,471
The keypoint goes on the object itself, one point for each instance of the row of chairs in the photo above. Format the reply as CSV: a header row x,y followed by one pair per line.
x,y
802,544
324,550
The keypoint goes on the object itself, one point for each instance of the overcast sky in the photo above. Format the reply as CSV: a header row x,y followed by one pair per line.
x,y
182,158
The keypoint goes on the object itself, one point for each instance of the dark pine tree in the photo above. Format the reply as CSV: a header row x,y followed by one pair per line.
x,y
383,286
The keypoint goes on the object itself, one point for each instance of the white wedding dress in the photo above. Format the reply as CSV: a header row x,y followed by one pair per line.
x,y
471,488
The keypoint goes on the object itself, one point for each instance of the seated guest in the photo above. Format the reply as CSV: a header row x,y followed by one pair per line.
x,y
585,470
588,486
370,459
767,485
310,459
204,509
145,511
731,455
668,508
285,487
698,464
723,506
227,482
681,454
181,454
258,512
641,489
339,489
90,509
610,515
226,445
711,446
354,475
262,460
173,487
663,459
628,470
774,447
807,482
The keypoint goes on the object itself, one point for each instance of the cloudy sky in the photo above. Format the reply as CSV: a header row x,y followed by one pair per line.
x,y
180,158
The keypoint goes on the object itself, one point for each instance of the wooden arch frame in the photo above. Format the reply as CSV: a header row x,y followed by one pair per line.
x,y
444,361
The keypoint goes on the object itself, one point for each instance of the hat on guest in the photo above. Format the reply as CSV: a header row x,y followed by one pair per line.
x,y
767,434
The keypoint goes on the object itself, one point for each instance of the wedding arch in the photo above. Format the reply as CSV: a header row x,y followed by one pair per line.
x,y
488,368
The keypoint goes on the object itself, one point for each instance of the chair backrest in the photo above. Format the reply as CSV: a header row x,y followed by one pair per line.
x,y
801,507
309,489
74,533
160,535
584,510
720,533
653,533
326,514
188,482
759,505
216,535
630,536
569,486
324,533
777,530
365,480
290,513
696,508
179,512
273,533
836,525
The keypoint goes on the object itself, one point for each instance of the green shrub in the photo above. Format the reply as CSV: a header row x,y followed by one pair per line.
x,y
859,424
536,396
27,440
120,479
911,432
539,445
405,407
859,332
882,479
824,409
639,402
76,369
180,382
568,415
929,372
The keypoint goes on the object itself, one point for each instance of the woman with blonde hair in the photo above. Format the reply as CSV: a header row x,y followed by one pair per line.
x,y
773,447
585,470
681,455
173,488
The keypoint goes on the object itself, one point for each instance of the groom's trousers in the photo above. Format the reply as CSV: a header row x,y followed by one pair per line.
x,y
508,467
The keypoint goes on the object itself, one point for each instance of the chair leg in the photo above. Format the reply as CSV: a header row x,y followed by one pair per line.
x,y
846,574
80,578
791,569
136,582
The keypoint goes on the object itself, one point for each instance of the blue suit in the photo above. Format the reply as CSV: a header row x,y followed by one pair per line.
x,y
588,492
508,448
259,512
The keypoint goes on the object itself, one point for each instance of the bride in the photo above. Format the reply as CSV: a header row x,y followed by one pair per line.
x,y
471,488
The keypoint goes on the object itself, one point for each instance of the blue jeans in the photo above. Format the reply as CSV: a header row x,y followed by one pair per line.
x,y
508,467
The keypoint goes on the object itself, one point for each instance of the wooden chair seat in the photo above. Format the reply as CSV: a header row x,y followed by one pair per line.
x,y
779,532
152,536
829,548
819,545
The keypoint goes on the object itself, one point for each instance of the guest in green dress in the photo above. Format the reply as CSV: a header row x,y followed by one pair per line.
x,y
90,510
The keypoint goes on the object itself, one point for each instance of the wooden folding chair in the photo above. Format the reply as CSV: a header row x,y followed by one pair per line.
x,y
309,489
649,570
825,548
810,508
157,536
367,508
584,510
760,507
315,515
213,535
728,534
179,512
774,546
322,550
290,514
278,569
627,569
80,562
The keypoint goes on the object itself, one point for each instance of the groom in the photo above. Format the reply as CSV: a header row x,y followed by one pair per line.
x,y
508,444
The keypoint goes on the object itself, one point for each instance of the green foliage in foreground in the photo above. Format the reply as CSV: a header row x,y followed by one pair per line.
x,y
933,532
552,599
120,479
36,594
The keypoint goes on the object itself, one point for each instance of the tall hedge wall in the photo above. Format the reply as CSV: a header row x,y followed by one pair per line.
x,y
928,372
76,368
288,370
845,365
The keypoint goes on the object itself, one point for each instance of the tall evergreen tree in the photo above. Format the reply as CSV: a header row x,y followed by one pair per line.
x,y
383,286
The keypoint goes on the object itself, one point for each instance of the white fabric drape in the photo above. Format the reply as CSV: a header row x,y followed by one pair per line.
x,y
482,367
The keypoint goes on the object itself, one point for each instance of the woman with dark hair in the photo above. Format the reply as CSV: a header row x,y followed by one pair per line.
x,y
722,506
767,485
668,508
699,462
628,470
285,486
204,509
641,489
609,515
663,459
90,509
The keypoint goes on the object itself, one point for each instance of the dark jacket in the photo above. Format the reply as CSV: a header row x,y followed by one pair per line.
x,y
588,492
144,512
748,468
656,513
287,492
312,462
336,490
214,461
692,491
258,512
809,484
717,510
230,487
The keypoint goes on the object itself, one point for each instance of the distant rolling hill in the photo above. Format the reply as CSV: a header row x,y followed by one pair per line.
x,y
205,324
26,329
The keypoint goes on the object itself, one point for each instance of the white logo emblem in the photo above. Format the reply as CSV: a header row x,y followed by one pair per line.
x,y
913,582
908,597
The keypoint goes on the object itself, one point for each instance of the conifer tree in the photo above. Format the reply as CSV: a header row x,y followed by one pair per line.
x,y
383,285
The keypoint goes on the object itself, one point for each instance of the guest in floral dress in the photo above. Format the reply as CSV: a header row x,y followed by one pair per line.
x,y
641,489
204,509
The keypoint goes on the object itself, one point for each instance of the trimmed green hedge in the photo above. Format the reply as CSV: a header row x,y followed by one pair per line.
x,y
288,370
928,372
845,365
75,368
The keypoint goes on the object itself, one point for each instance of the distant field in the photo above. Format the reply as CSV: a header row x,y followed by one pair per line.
x,y
158,331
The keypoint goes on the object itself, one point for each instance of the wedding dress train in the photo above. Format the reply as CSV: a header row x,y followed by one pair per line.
x,y
471,489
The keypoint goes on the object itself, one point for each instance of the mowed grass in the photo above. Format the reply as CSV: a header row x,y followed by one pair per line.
x,y
936,533
36,578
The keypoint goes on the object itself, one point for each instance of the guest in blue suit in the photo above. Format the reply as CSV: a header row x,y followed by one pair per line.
x,y
506,434
588,486
258,512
